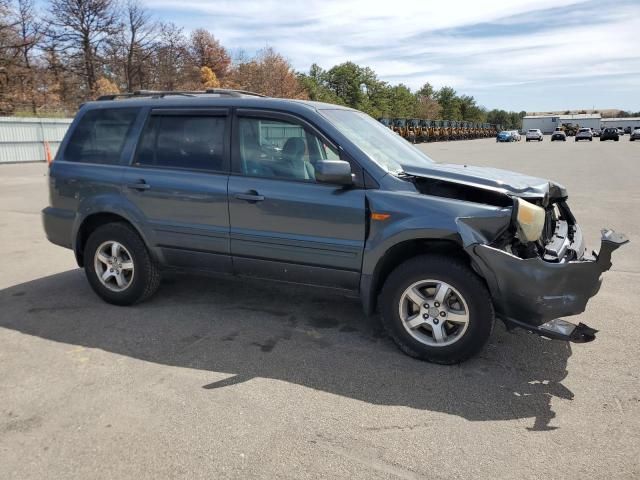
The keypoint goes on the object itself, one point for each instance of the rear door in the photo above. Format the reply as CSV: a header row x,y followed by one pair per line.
x,y
178,181
284,224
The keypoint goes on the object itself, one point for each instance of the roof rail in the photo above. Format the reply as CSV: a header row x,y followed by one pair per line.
x,y
189,93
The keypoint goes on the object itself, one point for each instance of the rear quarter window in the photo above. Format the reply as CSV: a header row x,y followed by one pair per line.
x,y
100,136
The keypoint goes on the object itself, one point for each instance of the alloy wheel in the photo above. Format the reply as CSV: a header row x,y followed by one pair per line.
x,y
434,313
114,266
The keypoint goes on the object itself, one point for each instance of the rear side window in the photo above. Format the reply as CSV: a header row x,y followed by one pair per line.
x,y
100,136
183,141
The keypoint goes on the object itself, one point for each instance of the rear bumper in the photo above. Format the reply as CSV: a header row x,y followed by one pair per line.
x,y
58,225
530,292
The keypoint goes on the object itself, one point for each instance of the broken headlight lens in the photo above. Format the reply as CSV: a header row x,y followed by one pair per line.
x,y
529,220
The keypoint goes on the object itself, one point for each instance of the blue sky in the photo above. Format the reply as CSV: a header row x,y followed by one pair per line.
x,y
513,54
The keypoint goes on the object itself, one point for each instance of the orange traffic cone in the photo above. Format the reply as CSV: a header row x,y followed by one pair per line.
x,y
47,153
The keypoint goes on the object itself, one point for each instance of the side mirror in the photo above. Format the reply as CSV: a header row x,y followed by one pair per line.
x,y
333,171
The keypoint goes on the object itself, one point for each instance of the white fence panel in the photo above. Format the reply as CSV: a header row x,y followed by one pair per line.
x,y
23,139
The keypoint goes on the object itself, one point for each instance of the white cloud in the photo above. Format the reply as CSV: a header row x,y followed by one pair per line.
x,y
416,42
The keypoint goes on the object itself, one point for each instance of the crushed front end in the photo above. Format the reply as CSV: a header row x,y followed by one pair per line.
x,y
534,283
535,263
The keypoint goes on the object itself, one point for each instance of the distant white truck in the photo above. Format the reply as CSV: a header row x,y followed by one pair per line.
x,y
534,134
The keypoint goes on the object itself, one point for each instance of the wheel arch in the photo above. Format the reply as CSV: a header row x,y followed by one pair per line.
x,y
371,285
94,220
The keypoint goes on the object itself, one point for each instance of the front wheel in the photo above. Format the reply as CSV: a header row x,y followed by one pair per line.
x,y
118,265
437,309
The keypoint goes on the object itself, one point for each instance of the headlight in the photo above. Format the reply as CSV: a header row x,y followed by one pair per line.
x,y
529,220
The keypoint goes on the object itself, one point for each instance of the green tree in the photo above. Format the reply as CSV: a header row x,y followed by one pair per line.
x,y
315,84
469,110
450,103
426,90
403,102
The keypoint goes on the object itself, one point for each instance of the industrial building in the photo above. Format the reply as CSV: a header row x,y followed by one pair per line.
x,y
633,122
548,123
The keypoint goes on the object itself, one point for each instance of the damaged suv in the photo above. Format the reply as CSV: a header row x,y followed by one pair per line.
x,y
232,182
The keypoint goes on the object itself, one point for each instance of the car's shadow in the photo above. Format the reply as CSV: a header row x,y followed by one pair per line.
x,y
314,338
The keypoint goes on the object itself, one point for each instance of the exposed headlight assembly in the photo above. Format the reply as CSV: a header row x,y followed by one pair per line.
x,y
529,220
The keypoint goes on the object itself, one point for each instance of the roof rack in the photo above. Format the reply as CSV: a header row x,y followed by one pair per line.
x,y
193,93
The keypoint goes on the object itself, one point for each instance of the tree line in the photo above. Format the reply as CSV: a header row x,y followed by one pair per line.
x,y
57,55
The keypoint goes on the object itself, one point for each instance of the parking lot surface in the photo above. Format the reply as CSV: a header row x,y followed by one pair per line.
x,y
229,378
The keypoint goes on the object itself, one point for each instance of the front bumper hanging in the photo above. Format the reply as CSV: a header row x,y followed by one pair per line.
x,y
532,293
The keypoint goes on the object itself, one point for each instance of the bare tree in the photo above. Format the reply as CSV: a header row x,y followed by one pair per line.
x,y
29,30
131,49
82,28
171,60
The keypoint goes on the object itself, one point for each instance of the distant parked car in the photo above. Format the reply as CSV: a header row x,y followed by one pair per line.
x,y
584,134
620,131
505,136
635,134
559,135
534,134
627,130
609,134
516,135
596,132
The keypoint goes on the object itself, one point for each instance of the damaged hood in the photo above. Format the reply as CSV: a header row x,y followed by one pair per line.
x,y
505,181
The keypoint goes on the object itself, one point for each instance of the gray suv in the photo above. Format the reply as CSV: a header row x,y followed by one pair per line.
x,y
232,182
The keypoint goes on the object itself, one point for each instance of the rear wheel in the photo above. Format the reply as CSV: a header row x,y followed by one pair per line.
x,y
118,265
437,309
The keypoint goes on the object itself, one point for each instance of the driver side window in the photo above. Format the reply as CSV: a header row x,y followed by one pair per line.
x,y
279,149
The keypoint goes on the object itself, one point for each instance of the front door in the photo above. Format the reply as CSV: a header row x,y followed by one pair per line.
x,y
178,182
284,224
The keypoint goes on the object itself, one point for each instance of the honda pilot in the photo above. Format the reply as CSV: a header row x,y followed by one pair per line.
x,y
232,182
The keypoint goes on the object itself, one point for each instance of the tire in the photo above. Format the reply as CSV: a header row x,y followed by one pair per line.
x,y
616,139
540,139
591,139
527,139
140,281
465,341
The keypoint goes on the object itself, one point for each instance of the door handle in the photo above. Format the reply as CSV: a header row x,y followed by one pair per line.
x,y
139,185
251,196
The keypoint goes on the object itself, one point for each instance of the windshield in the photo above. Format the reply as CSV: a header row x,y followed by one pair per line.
x,y
384,147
